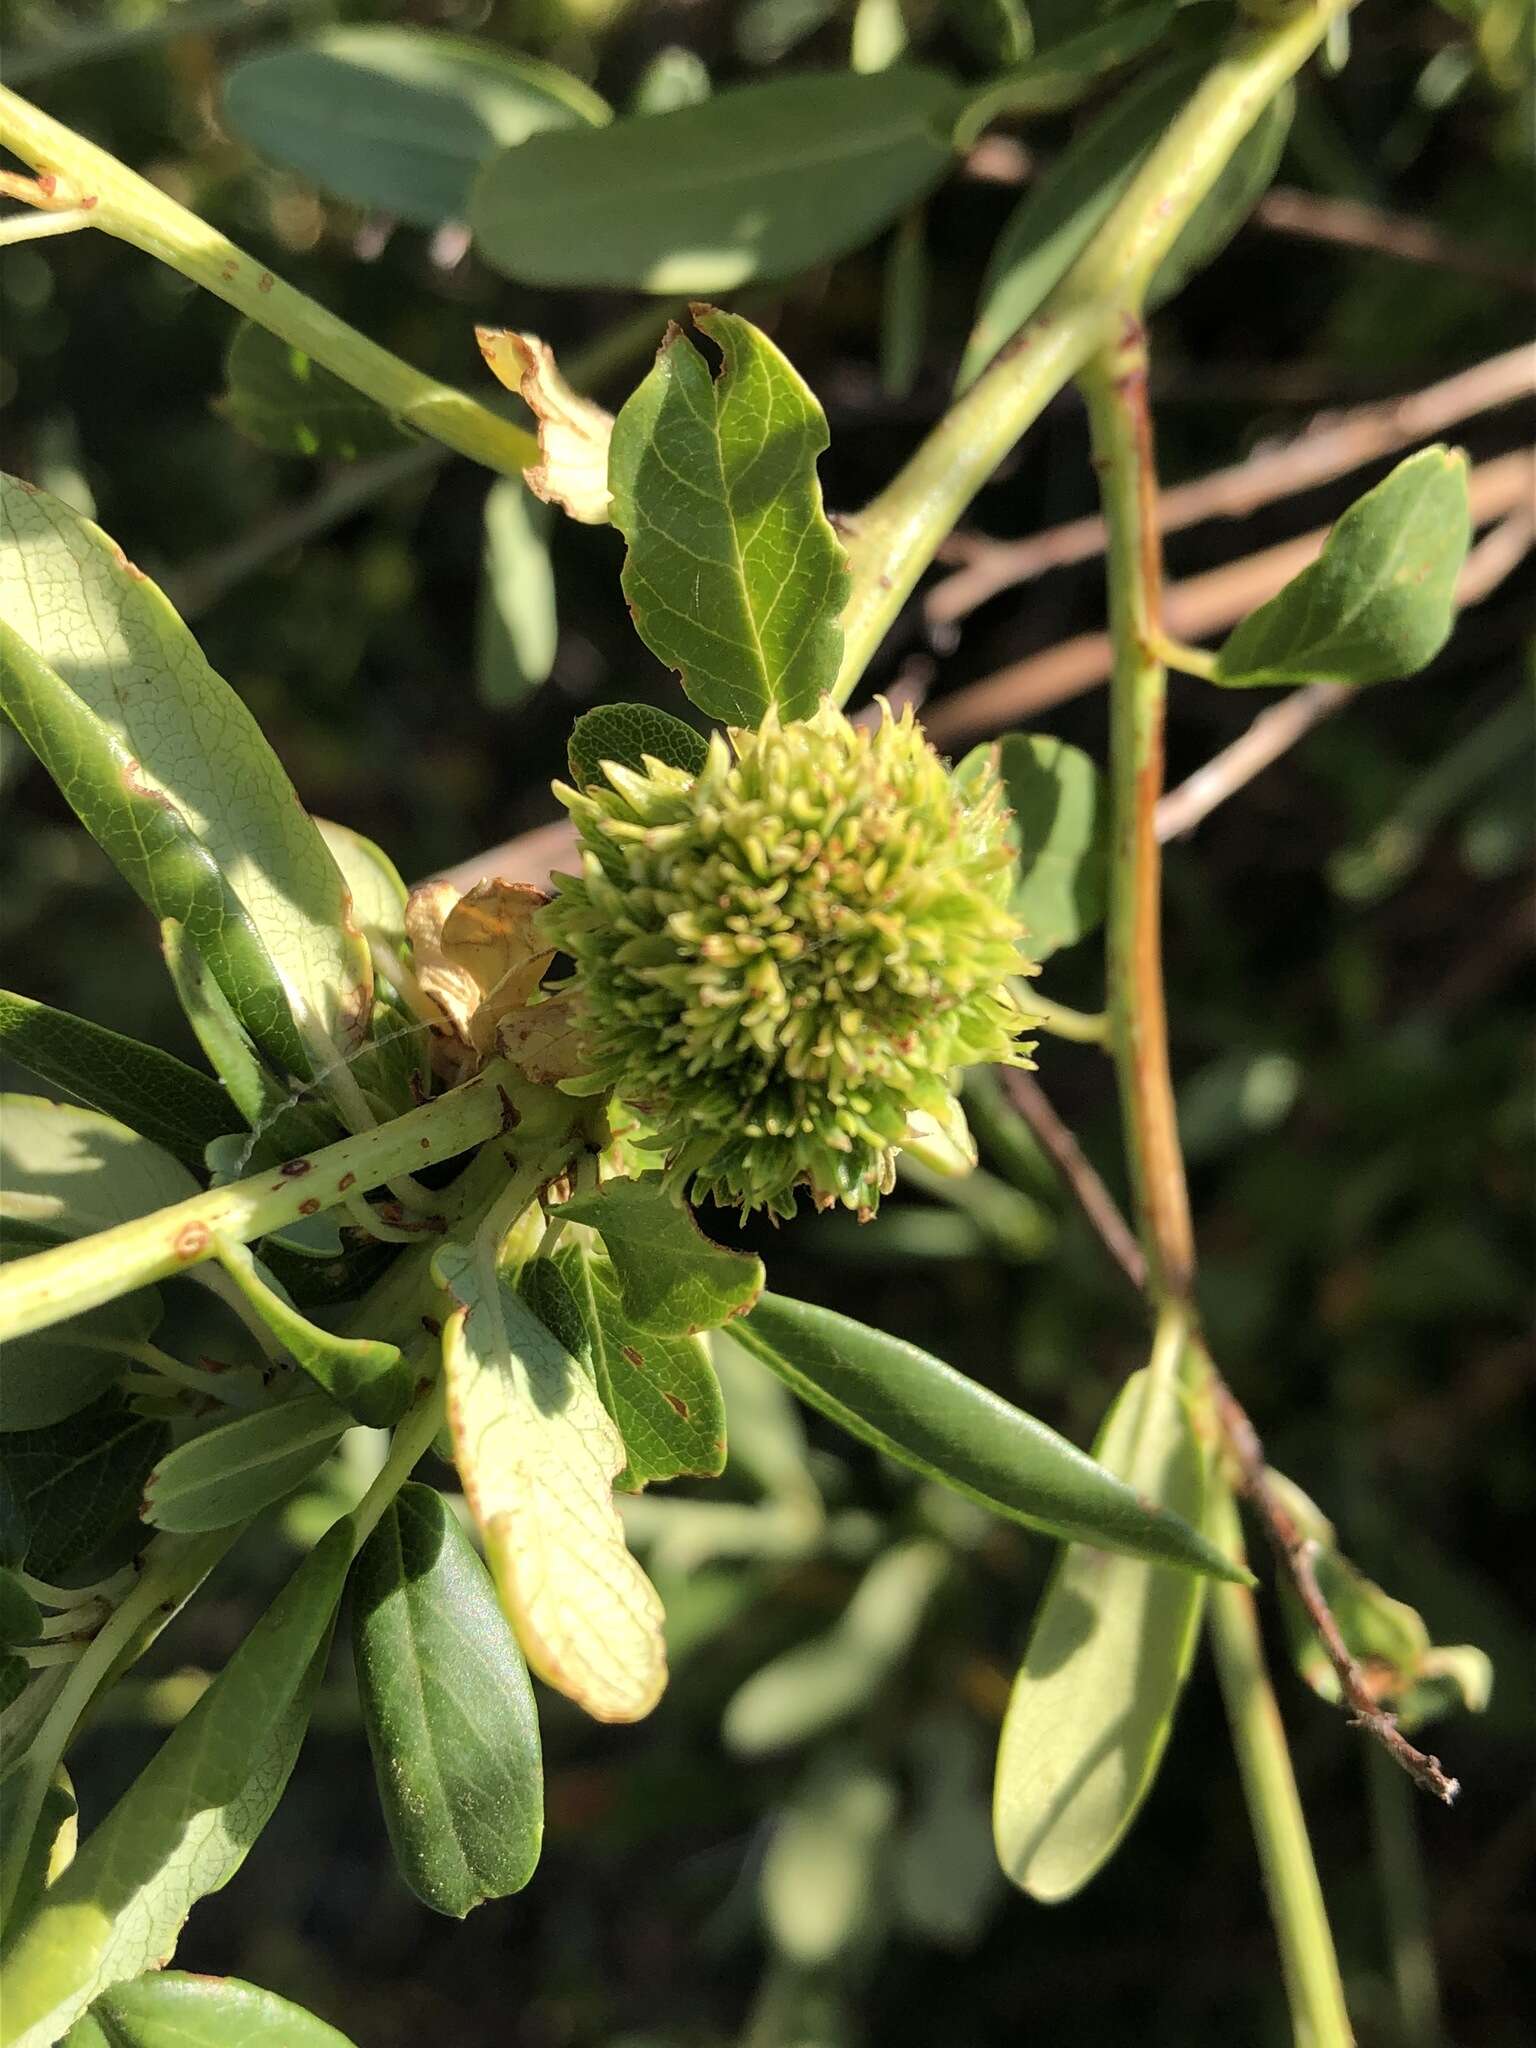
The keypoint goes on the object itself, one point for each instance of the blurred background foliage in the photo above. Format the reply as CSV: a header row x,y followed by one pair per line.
x,y
797,1851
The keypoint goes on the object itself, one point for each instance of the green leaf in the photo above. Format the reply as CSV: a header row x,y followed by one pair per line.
x,y
373,883
995,31
675,77
285,1127
669,1275
660,1390
932,1418
151,1092
1108,1654
1066,205
820,1886
183,1828
234,1471
517,629
399,119
286,402
19,1616
66,1172
367,1377
626,733
52,1373
825,1681
78,1482
1379,601
168,770
1060,831
448,1708
904,305
733,574
1063,72
1245,177
760,181
537,1453
70,1172
167,2009
36,1828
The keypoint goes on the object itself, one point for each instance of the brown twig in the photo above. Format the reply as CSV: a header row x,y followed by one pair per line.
x,y
1060,1146
1332,446
1351,224
1195,609
1296,1554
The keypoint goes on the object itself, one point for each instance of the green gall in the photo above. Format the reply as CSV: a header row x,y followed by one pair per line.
x,y
782,960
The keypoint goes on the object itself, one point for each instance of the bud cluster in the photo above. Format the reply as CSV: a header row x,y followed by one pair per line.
x,y
784,958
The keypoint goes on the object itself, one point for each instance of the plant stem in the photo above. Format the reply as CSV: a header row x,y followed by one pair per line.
x,y
74,173
69,1278
1316,1994
1116,390
894,539
408,1446
1083,1027
1405,1903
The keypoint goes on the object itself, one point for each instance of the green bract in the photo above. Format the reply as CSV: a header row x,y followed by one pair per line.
x,y
783,958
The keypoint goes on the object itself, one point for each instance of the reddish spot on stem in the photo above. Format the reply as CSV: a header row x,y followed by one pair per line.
x,y
310,1207
191,1240
264,282
294,1169
348,1180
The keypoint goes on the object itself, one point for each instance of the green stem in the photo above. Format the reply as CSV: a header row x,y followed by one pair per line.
x,y
1319,2016
1083,1027
69,1278
75,173
409,1445
1116,391
897,535
1405,1902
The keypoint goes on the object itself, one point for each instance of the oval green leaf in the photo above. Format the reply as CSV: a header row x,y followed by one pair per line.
x,y
670,1276
825,1681
167,769
448,1707
286,402
761,181
928,1416
661,1390
77,1483
69,1172
234,1471
732,571
626,734
517,629
1094,1701
1060,832
153,1093
1378,602
167,2009
183,1828
397,118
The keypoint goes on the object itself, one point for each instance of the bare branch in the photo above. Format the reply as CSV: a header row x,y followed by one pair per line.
x,y
1195,609
1077,1170
1332,446
1351,224
1295,1554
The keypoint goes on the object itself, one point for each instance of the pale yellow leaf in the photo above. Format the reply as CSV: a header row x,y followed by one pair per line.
x,y
538,1453
573,432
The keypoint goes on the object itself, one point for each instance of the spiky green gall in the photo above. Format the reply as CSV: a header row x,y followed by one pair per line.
x,y
782,960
